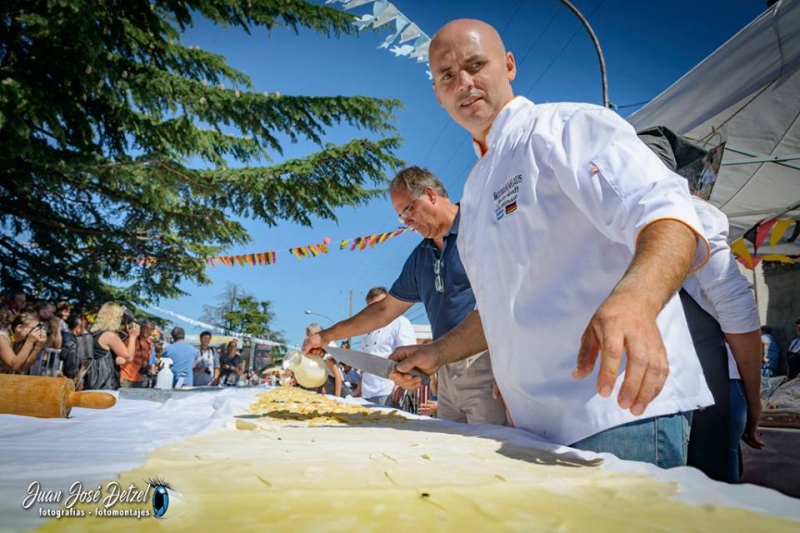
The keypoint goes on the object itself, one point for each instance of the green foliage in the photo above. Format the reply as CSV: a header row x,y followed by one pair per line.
x,y
239,311
102,110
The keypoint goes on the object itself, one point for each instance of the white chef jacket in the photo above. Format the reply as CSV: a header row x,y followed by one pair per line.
x,y
549,221
719,288
383,342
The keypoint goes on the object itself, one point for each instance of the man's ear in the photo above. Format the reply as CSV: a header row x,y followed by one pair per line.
x,y
511,66
432,195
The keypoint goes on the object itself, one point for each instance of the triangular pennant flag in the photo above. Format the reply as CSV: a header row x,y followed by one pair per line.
x,y
778,257
411,32
343,244
739,247
399,25
295,252
421,46
365,20
777,232
759,232
240,260
385,16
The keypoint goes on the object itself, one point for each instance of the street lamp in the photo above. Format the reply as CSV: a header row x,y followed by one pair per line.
x,y
309,312
597,49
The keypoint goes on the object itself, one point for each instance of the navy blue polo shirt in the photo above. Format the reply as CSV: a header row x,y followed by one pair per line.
x,y
417,283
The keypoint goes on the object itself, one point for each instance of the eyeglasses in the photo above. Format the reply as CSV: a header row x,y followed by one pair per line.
x,y
438,282
401,218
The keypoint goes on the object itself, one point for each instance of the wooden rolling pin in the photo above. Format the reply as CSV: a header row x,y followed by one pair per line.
x,y
46,397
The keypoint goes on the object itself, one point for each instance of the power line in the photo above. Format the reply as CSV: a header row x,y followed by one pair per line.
x,y
541,34
563,48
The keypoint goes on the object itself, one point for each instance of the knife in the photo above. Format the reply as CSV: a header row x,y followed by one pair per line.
x,y
371,364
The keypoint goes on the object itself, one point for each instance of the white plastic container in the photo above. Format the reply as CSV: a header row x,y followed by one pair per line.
x,y
309,370
165,375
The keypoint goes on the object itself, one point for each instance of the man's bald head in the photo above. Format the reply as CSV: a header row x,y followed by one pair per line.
x,y
477,28
472,74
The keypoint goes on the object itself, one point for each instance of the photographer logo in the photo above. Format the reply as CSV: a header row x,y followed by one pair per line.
x,y
103,500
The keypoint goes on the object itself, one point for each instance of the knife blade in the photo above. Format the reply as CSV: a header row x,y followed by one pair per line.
x,y
371,364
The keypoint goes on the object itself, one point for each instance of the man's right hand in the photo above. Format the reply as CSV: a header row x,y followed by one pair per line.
x,y
424,357
311,342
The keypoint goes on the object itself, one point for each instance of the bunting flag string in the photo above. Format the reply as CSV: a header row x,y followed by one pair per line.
x,y
411,40
300,252
217,329
773,228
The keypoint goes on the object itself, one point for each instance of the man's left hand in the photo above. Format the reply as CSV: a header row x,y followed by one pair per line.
x,y
624,322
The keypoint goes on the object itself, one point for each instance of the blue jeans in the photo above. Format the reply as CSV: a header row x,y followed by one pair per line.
x,y
736,425
662,440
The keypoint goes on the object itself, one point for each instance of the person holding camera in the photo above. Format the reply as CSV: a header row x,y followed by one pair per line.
x,y
135,373
21,342
206,365
110,351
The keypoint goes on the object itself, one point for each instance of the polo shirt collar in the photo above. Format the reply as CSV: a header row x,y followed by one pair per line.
x,y
453,229
503,118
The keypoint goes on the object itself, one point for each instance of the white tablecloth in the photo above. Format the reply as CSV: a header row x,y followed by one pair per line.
x,y
95,446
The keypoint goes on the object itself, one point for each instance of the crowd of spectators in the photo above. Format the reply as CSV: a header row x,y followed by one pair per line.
x,y
36,337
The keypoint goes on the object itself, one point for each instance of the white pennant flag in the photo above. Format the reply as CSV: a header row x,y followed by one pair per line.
x,y
385,16
412,32
399,24
421,46
355,3
377,8
404,30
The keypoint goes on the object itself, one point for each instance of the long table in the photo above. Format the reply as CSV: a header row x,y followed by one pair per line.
x,y
226,466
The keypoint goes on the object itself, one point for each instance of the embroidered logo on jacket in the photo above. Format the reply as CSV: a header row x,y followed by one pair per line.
x,y
505,198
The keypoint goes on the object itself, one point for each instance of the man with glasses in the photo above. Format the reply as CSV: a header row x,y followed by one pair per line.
x,y
433,274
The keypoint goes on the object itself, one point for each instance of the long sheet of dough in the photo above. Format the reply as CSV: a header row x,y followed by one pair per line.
x,y
304,462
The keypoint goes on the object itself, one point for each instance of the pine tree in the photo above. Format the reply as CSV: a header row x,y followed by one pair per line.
x,y
102,108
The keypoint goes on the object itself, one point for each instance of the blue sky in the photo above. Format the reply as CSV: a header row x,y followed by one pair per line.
x,y
647,46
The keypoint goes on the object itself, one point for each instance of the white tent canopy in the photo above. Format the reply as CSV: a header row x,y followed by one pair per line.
x,y
746,93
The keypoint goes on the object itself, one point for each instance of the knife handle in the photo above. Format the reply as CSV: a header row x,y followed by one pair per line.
x,y
426,379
